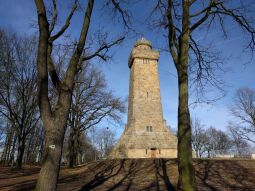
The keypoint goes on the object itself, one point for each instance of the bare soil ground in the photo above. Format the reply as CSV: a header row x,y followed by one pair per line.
x,y
138,174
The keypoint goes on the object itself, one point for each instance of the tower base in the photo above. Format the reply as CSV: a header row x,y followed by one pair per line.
x,y
146,145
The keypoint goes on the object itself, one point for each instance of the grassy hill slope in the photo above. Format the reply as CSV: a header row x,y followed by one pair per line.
x,y
139,174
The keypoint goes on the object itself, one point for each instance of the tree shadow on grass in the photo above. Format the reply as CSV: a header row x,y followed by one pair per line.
x,y
132,174
8,172
224,175
147,174
103,175
161,165
21,186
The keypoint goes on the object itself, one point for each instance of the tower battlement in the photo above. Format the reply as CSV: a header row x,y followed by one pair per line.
x,y
142,50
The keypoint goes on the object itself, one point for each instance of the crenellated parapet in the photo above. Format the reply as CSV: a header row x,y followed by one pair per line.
x,y
142,50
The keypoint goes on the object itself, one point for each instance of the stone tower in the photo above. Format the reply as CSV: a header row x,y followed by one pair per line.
x,y
146,134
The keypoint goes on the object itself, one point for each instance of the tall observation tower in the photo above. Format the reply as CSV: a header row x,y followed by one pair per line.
x,y
146,134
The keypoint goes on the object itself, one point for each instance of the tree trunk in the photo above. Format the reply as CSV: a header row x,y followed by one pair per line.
x,y
186,172
48,176
36,148
186,179
11,158
71,155
40,145
80,158
29,147
4,153
54,120
21,148
72,147
7,146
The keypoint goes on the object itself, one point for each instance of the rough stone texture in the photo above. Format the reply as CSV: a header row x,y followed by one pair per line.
x,y
146,134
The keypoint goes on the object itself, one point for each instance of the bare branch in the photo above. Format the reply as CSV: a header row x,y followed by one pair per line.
x,y
241,20
54,17
102,48
172,38
72,67
206,12
66,25
244,111
51,69
44,103
124,14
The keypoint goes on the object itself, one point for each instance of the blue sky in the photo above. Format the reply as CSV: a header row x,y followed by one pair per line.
x,y
20,15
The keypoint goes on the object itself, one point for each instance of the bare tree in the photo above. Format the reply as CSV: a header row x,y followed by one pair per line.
x,y
35,143
2,130
7,156
194,60
199,137
18,87
239,145
243,110
104,141
223,143
210,144
218,142
55,117
91,103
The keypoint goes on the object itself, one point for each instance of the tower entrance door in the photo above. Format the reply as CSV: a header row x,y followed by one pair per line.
x,y
153,152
